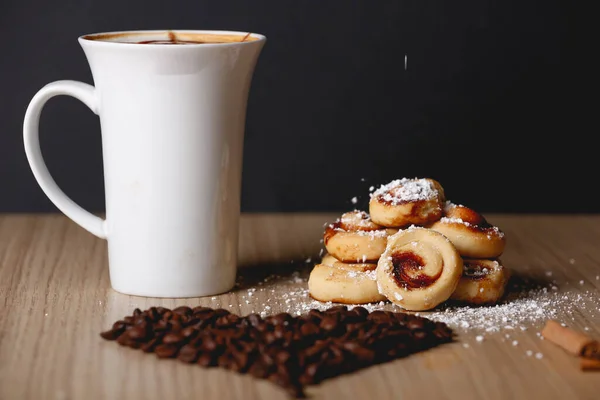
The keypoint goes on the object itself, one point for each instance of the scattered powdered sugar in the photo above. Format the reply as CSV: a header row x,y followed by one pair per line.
x,y
371,275
354,200
478,272
453,220
532,307
372,234
524,309
380,233
406,190
497,231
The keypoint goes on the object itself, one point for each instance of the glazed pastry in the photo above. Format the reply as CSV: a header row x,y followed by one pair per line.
x,y
405,202
419,269
470,233
344,283
482,282
355,238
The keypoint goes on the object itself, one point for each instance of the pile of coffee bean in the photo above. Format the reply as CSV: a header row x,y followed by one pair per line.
x,y
291,352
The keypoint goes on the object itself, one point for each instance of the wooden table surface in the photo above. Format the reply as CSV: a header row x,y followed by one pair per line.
x,y
56,298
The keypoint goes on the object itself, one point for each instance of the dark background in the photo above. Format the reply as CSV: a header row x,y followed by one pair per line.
x,y
491,104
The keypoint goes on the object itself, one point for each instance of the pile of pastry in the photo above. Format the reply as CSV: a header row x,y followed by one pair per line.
x,y
413,248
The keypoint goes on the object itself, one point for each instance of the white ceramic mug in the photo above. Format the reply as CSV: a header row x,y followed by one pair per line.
x,y
172,119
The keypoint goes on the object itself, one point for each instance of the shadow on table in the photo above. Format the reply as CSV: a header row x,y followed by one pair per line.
x,y
273,274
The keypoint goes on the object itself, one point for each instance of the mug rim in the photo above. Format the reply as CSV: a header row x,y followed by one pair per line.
x,y
96,37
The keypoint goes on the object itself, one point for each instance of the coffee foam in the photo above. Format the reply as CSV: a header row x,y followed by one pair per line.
x,y
183,36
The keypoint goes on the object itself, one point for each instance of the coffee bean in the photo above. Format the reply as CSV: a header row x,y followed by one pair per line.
x,y
258,370
219,312
175,325
112,334
225,361
227,320
267,359
309,329
362,353
415,323
161,310
279,379
209,344
119,325
283,356
189,332
183,310
360,312
309,373
328,323
138,332
188,353
317,349
279,331
165,350
175,317
270,337
160,325
201,310
336,350
336,310
419,334
441,331
379,316
206,360
282,319
124,340
172,338
254,319
241,359
351,327
153,314
149,346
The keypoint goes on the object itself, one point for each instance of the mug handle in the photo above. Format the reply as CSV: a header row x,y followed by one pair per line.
x,y
87,95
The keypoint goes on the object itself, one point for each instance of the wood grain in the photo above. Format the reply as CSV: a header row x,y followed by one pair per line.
x,y
56,298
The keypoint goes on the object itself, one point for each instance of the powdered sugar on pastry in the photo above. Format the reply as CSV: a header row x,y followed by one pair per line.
x,y
405,190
